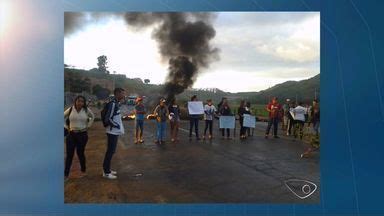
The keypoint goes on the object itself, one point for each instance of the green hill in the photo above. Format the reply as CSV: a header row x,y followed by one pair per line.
x,y
101,85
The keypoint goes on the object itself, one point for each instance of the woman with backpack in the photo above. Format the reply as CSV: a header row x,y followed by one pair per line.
x,y
78,118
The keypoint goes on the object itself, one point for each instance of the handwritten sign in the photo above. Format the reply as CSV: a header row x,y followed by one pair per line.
x,y
195,107
249,121
227,122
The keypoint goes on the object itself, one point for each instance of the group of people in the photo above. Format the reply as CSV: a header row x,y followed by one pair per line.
x,y
173,113
293,116
78,118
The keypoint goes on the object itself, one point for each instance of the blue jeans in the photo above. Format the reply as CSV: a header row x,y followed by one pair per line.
x,y
161,130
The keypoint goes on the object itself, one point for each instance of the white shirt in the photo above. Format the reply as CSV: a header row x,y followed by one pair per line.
x,y
78,120
299,112
210,110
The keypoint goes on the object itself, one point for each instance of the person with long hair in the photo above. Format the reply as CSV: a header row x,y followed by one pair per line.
x,y
225,110
78,118
209,113
174,119
241,111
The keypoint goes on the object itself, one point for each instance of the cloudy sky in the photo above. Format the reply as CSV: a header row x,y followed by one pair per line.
x,y
257,50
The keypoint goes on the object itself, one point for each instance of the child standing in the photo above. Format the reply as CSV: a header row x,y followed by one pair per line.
x,y
139,116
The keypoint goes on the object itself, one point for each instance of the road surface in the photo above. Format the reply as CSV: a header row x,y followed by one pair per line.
x,y
216,171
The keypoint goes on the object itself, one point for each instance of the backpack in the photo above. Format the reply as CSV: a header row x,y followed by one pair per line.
x,y
103,113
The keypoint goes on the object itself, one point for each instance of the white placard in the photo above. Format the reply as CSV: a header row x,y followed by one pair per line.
x,y
227,122
195,107
249,121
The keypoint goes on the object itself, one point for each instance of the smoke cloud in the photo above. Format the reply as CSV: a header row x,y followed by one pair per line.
x,y
183,39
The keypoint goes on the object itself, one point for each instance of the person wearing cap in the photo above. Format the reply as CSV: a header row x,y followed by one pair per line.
x,y
285,114
139,117
161,112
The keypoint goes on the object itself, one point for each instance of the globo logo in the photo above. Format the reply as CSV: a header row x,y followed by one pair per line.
x,y
301,188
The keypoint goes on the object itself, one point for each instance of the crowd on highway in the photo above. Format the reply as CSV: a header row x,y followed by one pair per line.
x,y
79,118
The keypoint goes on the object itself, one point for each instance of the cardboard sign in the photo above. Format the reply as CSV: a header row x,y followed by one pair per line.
x,y
249,121
195,107
227,122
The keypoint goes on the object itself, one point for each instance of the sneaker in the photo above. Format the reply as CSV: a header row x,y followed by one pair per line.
x,y
113,172
210,137
109,176
135,142
141,141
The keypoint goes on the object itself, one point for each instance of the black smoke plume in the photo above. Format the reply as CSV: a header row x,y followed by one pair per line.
x,y
183,39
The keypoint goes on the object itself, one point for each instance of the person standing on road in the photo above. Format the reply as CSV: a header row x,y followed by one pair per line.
x,y
78,118
225,110
241,111
248,111
161,112
114,128
274,109
209,112
290,119
286,114
194,122
315,116
139,120
299,116
174,119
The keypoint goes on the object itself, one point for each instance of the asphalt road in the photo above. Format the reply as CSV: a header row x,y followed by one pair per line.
x,y
191,171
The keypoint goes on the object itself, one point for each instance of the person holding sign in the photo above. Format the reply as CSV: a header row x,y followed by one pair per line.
x,y
248,111
225,110
194,120
241,112
209,112
274,109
